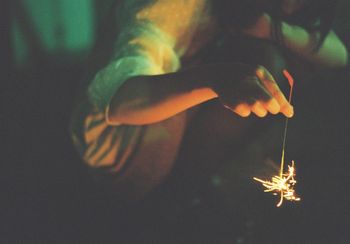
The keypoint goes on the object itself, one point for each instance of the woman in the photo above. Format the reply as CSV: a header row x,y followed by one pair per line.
x,y
140,116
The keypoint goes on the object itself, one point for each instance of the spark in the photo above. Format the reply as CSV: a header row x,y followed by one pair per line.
x,y
282,184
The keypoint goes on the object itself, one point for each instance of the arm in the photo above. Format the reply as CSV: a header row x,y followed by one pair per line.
x,y
241,88
148,52
143,86
332,53
149,99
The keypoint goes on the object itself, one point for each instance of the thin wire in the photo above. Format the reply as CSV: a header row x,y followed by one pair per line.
x,y
285,133
284,183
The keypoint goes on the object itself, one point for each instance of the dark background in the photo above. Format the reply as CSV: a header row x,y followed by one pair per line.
x,y
49,197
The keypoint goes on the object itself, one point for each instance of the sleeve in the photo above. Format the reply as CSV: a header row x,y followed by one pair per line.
x,y
150,42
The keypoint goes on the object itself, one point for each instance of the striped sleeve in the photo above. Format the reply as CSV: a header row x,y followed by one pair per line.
x,y
152,43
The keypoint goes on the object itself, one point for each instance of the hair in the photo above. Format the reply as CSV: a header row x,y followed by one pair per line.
x,y
315,15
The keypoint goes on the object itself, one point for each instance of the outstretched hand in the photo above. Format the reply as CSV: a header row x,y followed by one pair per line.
x,y
253,90
275,102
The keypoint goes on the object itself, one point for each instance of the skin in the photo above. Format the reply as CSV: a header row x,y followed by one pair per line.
x,y
150,99
332,53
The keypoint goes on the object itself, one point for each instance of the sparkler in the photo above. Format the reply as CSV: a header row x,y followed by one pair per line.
x,y
283,184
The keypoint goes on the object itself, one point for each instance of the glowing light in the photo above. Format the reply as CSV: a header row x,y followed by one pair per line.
x,y
282,184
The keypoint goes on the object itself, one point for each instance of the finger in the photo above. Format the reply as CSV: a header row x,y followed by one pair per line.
x,y
288,111
259,109
271,85
242,110
272,106
254,91
263,73
285,106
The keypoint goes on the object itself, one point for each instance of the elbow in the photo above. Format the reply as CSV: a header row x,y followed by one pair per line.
x,y
114,118
118,113
124,116
126,111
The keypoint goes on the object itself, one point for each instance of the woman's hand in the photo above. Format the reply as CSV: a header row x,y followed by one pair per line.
x,y
245,89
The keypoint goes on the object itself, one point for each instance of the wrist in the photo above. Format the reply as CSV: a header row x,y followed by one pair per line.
x,y
193,80
223,77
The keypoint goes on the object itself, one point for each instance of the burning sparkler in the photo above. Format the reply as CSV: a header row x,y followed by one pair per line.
x,y
283,183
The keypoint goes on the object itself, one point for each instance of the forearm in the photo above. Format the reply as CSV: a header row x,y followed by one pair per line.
x,y
150,99
332,52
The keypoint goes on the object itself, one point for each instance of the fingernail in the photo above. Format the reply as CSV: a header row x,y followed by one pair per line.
x,y
259,72
291,111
